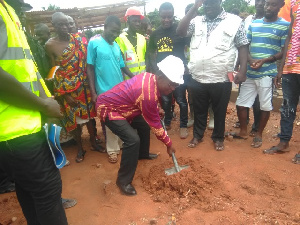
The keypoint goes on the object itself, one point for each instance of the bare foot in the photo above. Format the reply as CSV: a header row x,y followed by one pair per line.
x,y
282,147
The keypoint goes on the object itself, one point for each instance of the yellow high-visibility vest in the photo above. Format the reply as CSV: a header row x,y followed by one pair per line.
x,y
134,56
16,59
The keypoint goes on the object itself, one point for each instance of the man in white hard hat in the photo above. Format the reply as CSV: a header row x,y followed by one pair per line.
x,y
132,44
133,104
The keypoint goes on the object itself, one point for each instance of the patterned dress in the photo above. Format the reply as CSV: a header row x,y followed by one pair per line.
x,y
71,78
292,61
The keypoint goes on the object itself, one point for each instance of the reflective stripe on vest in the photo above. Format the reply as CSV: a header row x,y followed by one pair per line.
x,y
16,59
11,53
138,65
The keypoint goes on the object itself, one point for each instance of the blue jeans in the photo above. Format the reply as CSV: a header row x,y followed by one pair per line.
x,y
291,92
180,97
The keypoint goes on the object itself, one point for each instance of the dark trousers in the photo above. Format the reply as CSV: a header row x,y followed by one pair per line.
x,y
219,95
291,92
5,182
180,97
27,160
136,144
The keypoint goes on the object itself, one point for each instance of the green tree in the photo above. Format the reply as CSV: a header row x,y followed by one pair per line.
x,y
51,7
241,5
90,33
154,18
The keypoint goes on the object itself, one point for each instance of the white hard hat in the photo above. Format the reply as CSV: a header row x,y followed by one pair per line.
x,y
173,68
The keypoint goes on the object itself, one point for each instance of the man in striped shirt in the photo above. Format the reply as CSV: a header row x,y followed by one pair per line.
x,y
267,37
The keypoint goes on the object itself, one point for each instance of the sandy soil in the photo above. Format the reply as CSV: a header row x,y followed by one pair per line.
x,y
237,186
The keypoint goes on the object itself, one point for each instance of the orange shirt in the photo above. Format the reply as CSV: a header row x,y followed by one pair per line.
x,y
285,11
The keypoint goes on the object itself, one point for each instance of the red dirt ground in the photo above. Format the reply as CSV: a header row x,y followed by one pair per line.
x,y
239,185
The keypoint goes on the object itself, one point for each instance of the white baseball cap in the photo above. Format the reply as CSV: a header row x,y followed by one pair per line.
x,y
173,68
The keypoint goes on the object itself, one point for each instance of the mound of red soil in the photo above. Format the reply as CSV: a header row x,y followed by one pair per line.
x,y
196,186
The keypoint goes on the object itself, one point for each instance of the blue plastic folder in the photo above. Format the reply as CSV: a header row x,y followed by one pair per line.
x,y
52,134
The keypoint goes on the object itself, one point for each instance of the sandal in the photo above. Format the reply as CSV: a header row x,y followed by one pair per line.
x,y
296,159
219,145
113,157
194,142
235,135
257,142
80,158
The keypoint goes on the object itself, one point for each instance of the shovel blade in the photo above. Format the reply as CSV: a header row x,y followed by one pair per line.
x,y
172,170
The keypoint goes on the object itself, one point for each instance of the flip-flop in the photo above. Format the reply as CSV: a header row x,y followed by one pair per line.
x,y
219,145
79,159
193,144
275,150
257,142
296,159
235,135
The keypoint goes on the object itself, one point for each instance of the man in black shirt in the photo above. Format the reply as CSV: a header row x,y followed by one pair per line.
x,y
164,42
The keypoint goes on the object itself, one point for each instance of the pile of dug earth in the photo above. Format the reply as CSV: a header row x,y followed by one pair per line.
x,y
196,186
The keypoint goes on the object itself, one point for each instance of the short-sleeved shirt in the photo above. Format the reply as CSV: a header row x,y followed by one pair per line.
x,y
266,39
166,42
240,38
107,60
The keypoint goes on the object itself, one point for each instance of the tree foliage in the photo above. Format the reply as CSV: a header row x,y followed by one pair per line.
x,y
241,5
51,7
90,33
154,18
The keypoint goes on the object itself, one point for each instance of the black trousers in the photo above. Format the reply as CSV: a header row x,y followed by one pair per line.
x,y
219,95
5,182
136,144
27,160
180,97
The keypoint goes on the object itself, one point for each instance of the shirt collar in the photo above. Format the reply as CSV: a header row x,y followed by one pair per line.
x,y
221,16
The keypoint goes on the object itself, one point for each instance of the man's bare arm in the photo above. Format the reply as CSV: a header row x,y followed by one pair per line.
x,y
185,22
49,50
127,71
91,79
243,56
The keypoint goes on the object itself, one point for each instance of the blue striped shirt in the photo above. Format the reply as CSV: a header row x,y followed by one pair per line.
x,y
266,39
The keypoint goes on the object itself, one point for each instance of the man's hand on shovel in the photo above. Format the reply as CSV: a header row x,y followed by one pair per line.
x,y
170,150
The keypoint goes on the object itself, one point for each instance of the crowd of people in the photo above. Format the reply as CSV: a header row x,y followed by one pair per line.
x,y
129,82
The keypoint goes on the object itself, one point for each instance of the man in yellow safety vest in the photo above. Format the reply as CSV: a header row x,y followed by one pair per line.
x,y
24,151
132,44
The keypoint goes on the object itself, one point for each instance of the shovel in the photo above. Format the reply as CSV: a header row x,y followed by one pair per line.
x,y
176,167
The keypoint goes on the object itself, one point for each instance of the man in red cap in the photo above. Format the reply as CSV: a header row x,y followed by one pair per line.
x,y
132,44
